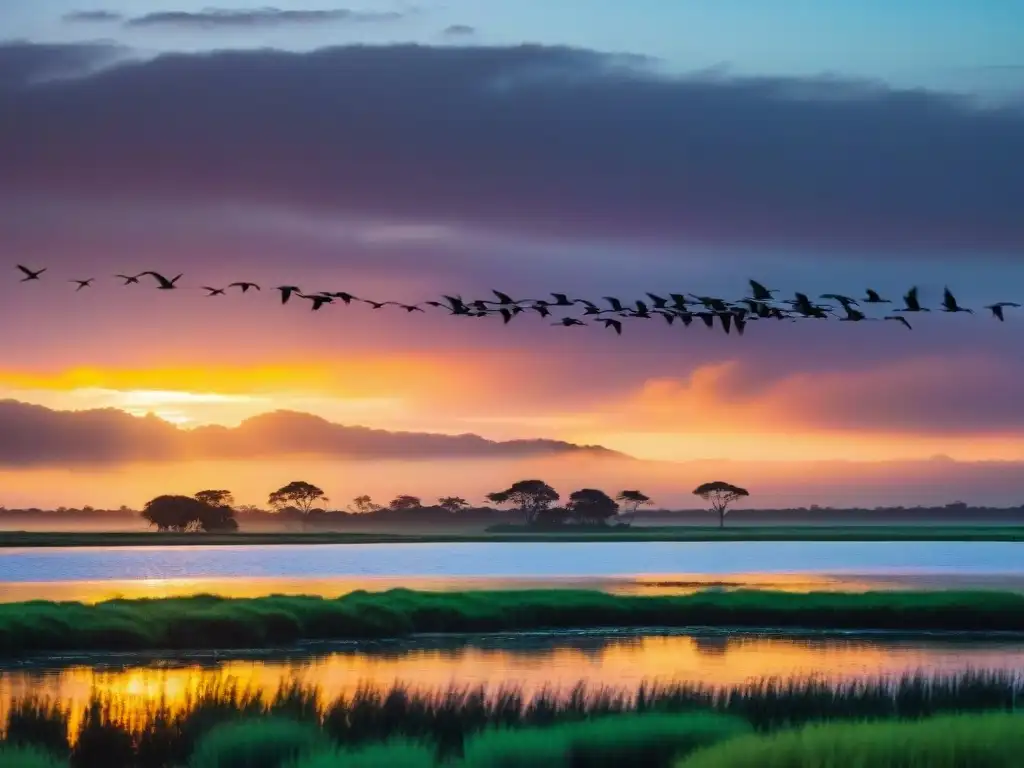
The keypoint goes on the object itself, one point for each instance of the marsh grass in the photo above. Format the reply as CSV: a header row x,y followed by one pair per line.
x,y
158,735
964,741
206,621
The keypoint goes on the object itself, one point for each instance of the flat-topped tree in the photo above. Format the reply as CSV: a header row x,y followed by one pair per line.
x,y
591,506
452,504
298,494
720,495
216,498
363,505
531,497
404,503
633,500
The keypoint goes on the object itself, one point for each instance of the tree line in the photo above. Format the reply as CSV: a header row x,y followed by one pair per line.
x,y
536,502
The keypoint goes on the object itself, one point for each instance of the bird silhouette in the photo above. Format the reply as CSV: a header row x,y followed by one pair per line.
x,y
506,315
503,298
874,298
561,300
245,286
997,309
615,325
759,292
846,301
569,321
163,283
287,291
129,279
614,303
899,319
658,301
912,303
29,274
346,297
541,309
82,283
852,315
456,305
411,307
214,291
318,299
949,303
376,304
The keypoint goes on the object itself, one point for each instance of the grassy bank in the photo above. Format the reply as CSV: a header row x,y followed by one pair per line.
x,y
214,622
22,539
535,731
964,741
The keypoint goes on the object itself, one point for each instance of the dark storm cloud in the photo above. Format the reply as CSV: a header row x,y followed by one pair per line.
x,y
38,436
92,16
219,18
459,30
529,139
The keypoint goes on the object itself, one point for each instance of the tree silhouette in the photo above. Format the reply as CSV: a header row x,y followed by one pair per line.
x,y
216,498
298,494
590,505
531,497
363,505
184,513
404,503
633,500
452,504
720,495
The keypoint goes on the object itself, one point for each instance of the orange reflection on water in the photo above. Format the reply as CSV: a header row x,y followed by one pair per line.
x,y
531,662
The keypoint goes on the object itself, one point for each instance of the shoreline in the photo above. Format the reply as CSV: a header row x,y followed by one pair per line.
x,y
44,539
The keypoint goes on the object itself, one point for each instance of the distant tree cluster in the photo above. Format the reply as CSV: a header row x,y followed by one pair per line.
x,y
534,500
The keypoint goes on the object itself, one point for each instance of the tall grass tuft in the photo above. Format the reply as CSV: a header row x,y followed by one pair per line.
x,y
963,741
269,742
205,621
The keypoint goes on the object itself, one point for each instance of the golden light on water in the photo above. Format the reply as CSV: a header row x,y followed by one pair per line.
x,y
532,662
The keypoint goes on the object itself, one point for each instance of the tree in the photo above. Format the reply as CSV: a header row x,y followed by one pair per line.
x,y
633,500
216,498
298,494
720,495
184,513
590,505
452,504
531,497
363,505
404,503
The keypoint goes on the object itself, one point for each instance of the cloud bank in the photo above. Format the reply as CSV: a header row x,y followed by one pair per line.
x,y
92,16
38,436
528,139
222,18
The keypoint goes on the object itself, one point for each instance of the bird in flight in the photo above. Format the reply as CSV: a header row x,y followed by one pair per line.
x,y
912,303
29,274
244,286
82,283
761,293
615,325
949,303
997,309
163,283
899,319
318,300
569,321
874,298
214,291
287,291
348,298
129,279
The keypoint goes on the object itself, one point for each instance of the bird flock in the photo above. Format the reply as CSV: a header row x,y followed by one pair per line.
x,y
609,311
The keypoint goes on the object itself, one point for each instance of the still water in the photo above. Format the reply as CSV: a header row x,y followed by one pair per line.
x,y
531,661
96,573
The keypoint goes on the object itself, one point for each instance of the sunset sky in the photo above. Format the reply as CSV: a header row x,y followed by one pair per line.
x,y
405,150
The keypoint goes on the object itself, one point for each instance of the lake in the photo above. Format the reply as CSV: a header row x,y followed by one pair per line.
x,y
530,660
644,567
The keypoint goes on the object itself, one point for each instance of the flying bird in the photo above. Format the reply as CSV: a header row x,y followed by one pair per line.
x,y
852,315
658,301
874,298
244,286
899,319
911,301
317,299
287,291
503,298
760,293
163,283
129,279
346,297
997,309
846,301
411,308
614,303
569,321
949,303
214,291
615,325
29,274
82,283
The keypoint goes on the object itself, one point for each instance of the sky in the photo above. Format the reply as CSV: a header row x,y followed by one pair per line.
x,y
403,151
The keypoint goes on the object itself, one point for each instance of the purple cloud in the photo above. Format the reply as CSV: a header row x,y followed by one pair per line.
x,y
528,139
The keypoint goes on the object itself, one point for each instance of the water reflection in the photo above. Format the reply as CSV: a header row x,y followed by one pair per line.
x,y
531,661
